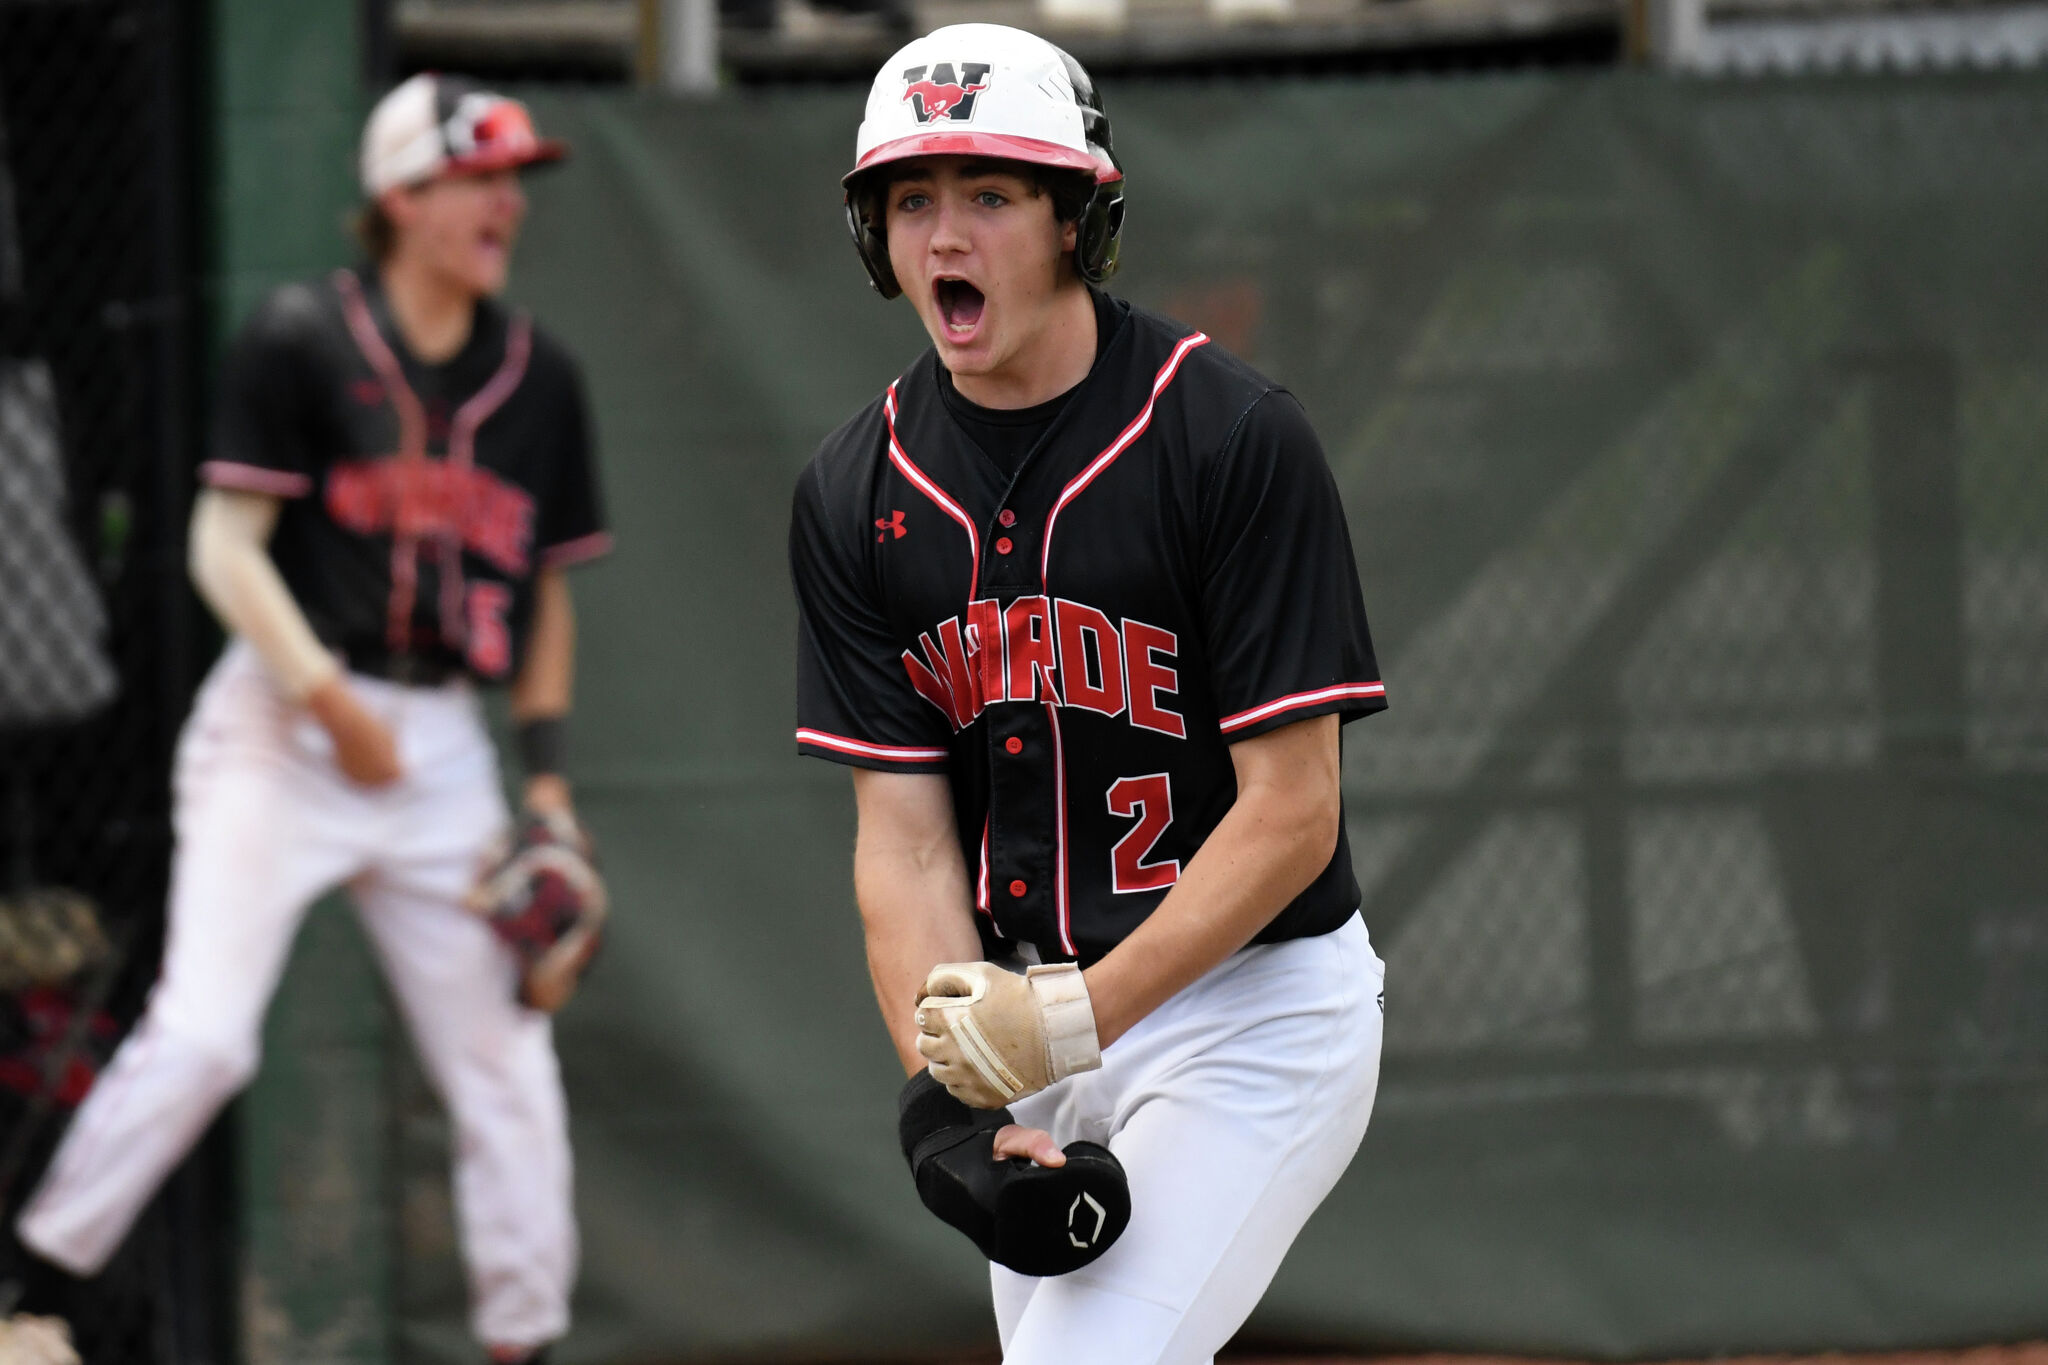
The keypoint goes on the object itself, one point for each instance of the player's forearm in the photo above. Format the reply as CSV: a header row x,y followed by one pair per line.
x,y
1275,840
1263,855
916,915
543,691
545,685
230,564
910,880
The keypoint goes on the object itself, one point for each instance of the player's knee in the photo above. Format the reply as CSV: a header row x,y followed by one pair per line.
x,y
504,1088
227,1065
216,1062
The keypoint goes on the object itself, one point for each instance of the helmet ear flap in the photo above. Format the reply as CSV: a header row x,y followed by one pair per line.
x,y
1101,232
871,246
1098,246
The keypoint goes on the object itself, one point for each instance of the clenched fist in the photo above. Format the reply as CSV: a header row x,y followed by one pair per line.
x,y
992,1036
363,747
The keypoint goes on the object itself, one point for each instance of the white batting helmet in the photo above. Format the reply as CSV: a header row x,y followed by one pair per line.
x,y
992,91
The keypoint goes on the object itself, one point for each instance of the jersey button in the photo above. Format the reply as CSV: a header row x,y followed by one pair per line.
x,y
1014,745
1003,546
1007,517
1018,888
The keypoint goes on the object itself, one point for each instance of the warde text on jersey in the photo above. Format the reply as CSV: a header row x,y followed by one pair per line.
x,y
1047,649
431,499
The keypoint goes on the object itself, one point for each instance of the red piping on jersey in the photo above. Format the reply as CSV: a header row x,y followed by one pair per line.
x,y
981,881
254,478
938,495
1298,700
412,445
488,399
469,418
1119,445
1061,909
895,752
1061,905
577,550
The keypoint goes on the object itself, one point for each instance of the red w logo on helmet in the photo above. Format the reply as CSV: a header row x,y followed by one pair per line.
x,y
939,92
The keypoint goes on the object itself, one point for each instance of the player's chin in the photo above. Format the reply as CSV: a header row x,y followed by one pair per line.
x,y
964,350
489,277
488,268
965,362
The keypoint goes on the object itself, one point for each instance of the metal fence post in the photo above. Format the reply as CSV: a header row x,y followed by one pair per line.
x,y
688,42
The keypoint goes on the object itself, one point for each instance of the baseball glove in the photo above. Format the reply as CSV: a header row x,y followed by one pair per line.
x,y
543,897
47,937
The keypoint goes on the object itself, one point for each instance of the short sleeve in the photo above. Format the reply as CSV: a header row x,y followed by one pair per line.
x,y
855,704
1280,601
571,526
263,419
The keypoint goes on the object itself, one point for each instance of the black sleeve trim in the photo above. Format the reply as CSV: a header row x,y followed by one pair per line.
x,y
860,753
1352,700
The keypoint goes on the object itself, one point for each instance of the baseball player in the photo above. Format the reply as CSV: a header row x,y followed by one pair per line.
x,y
1077,604
401,474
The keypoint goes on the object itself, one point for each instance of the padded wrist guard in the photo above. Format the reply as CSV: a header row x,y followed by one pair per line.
x,y
1037,1220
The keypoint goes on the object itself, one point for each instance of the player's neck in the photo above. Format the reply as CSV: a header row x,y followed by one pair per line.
x,y
1054,357
434,313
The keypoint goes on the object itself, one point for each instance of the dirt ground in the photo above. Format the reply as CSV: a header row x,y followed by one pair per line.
x,y
2028,1353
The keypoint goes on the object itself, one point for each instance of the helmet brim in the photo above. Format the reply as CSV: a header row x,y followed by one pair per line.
x,y
537,153
997,146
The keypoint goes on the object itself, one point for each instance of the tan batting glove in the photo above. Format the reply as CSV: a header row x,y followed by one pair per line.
x,y
992,1036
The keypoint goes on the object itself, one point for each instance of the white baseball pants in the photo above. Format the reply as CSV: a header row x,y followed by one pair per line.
x,y
265,824
1234,1108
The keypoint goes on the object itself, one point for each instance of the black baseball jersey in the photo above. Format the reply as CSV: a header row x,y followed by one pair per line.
x,y
1078,644
418,499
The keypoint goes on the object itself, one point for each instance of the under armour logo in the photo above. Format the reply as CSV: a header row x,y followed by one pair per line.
x,y
1074,1210
884,525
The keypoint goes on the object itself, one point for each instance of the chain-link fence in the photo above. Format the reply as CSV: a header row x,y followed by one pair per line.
x,y
96,321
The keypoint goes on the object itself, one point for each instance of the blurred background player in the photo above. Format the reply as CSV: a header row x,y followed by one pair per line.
x,y
1077,602
401,473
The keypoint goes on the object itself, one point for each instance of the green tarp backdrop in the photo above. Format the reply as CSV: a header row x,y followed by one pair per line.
x,y
1694,438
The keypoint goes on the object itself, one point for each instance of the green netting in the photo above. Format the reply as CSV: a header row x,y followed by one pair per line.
x,y
1693,439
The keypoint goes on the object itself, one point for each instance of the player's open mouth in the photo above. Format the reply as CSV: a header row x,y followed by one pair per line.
x,y
960,305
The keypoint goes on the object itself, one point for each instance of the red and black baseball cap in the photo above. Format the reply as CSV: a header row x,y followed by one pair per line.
x,y
436,125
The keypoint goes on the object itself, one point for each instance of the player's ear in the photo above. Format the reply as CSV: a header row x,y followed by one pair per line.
x,y
401,206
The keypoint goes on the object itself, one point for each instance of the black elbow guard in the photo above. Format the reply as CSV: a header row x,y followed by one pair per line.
x,y
1037,1220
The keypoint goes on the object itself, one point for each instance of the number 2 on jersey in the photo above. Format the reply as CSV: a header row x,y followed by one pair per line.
x,y
490,635
1150,799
